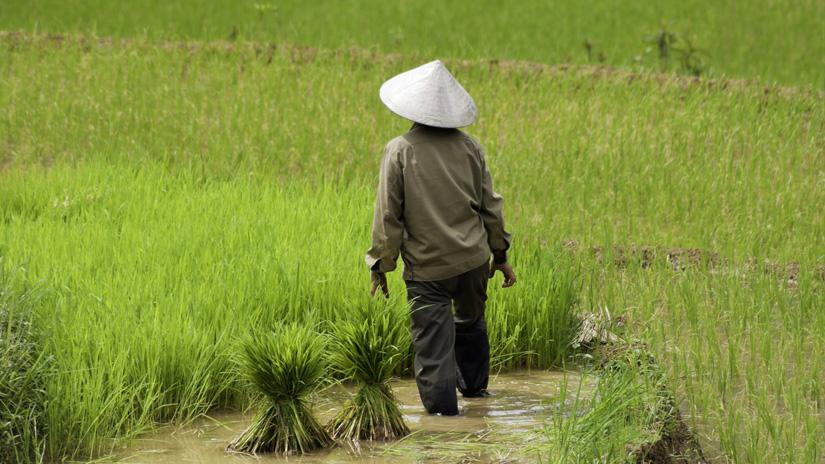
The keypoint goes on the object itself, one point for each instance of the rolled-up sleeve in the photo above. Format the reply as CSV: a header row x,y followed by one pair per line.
x,y
388,219
492,214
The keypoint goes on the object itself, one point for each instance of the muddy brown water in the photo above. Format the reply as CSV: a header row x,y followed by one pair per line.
x,y
488,429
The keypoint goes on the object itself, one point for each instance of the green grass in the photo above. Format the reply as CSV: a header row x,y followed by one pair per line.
x,y
24,368
170,197
367,352
628,414
285,366
776,41
621,415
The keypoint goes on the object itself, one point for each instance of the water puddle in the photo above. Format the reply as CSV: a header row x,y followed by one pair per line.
x,y
489,429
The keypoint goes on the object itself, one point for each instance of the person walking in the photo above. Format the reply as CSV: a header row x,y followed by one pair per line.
x,y
436,207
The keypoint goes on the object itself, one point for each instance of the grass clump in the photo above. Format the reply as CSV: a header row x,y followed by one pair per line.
x,y
22,373
620,415
285,366
631,417
367,352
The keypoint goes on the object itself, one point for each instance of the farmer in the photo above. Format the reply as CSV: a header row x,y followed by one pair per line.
x,y
436,206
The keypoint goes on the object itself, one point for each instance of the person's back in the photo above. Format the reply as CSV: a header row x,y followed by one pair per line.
x,y
448,199
436,207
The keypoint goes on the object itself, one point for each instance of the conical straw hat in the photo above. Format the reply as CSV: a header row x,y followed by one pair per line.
x,y
429,95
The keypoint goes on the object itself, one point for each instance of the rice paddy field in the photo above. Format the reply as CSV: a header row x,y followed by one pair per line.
x,y
169,187
776,41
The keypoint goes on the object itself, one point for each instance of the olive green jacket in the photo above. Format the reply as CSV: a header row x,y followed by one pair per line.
x,y
436,206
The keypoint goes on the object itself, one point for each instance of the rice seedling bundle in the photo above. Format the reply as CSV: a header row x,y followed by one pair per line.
x,y
367,352
285,367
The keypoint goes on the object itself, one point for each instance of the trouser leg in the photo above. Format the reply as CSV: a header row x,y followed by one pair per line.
x,y
472,346
433,334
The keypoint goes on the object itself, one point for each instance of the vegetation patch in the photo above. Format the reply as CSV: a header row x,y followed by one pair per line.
x,y
285,367
632,416
680,259
770,40
172,193
368,352
23,371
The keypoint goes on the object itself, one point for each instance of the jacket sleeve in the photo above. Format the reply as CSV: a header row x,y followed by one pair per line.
x,y
388,219
491,213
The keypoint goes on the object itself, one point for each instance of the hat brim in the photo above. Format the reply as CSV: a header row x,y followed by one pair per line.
x,y
429,95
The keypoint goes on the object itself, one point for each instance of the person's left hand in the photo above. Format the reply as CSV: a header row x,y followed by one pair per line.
x,y
379,279
507,270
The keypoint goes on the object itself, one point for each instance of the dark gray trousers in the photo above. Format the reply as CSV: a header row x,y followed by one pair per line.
x,y
451,350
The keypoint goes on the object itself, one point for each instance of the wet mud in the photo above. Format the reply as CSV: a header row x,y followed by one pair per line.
x,y
490,429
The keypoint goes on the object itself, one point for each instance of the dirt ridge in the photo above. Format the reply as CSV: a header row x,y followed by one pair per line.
x,y
681,259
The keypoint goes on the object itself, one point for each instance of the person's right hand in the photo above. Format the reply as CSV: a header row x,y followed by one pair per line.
x,y
379,280
507,270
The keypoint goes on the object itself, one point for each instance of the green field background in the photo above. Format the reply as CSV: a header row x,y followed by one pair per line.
x,y
774,41
163,193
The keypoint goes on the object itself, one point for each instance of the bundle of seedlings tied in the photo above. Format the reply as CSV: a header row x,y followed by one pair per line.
x,y
367,353
285,367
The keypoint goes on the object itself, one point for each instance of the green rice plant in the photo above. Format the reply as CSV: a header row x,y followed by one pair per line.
x,y
23,367
285,366
626,413
171,195
775,40
691,59
367,352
